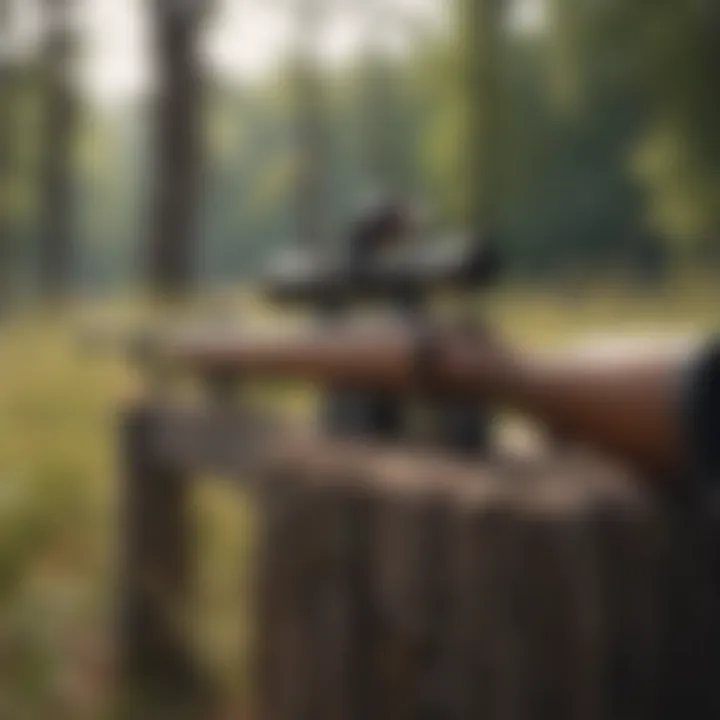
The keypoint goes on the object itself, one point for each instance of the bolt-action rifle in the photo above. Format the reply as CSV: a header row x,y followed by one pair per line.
x,y
656,408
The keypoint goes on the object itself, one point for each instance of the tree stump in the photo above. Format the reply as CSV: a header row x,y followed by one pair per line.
x,y
402,585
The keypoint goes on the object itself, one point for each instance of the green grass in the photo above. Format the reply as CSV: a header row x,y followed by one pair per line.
x,y
58,497
59,409
56,514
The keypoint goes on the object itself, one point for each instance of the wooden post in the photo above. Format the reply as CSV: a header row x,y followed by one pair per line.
x,y
158,679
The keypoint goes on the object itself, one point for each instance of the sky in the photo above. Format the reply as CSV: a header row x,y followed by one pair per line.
x,y
244,39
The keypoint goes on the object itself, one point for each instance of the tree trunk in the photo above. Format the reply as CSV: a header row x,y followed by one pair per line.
x,y
311,218
382,142
171,258
56,211
481,46
5,179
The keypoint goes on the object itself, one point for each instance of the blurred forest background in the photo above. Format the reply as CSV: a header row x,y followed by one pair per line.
x,y
240,127
175,146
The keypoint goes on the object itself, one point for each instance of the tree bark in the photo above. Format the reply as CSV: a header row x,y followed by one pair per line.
x,y
311,130
56,196
481,37
5,171
178,147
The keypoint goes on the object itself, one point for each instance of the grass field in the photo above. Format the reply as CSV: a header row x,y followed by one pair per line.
x,y
58,501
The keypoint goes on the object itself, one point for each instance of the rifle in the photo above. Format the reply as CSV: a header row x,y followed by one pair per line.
x,y
654,408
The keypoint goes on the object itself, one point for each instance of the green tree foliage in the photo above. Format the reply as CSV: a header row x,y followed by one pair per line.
x,y
662,58
545,125
677,56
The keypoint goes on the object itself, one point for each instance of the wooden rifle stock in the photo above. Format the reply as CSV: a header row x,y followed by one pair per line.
x,y
632,406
